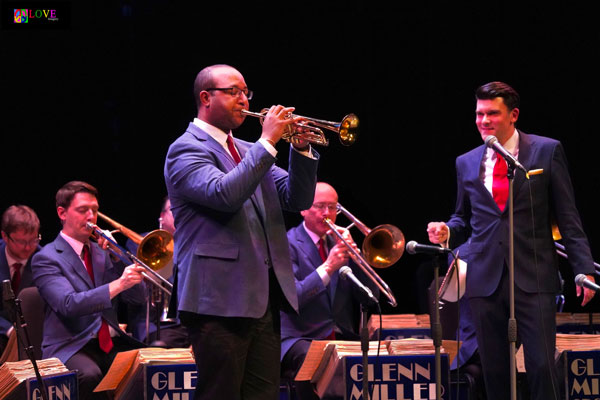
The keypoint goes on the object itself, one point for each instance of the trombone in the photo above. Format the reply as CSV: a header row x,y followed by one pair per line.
x,y
310,131
382,247
156,249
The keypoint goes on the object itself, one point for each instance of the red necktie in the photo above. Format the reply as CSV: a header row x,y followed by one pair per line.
x,y
322,251
232,150
323,254
16,277
500,183
104,339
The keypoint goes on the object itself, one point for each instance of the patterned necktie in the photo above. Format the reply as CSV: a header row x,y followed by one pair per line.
x,y
500,183
16,277
232,150
104,339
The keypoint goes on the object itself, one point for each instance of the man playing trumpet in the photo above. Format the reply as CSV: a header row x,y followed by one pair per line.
x,y
79,284
233,268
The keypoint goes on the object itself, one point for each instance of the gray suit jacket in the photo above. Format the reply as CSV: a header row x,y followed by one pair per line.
x,y
74,305
230,226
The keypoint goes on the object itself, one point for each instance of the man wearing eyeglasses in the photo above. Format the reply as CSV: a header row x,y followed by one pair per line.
x,y
20,240
233,268
329,308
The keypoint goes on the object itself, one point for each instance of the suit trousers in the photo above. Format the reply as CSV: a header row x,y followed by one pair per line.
x,y
92,364
237,358
535,314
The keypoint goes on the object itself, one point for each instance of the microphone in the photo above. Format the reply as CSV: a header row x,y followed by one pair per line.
x,y
413,247
492,142
8,299
346,273
583,281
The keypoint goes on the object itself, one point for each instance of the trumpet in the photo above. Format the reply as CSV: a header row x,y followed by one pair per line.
x,y
310,131
382,247
156,249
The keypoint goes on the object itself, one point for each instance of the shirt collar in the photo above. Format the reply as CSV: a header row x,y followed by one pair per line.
x,y
512,145
313,236
213,131
74,243
11,260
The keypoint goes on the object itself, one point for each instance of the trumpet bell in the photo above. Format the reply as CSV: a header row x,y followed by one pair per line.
x,y
383,246
156,249
348,130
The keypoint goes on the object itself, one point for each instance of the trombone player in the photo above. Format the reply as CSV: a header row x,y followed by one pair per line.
x,y
329,307
79,283
233,269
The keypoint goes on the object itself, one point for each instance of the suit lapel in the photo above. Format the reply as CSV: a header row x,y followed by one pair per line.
x,y
257,196
98,264
526,155
307,246
71,259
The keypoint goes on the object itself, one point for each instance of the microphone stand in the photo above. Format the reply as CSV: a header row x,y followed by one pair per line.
x,y
16,315
436,329
512,322
364,345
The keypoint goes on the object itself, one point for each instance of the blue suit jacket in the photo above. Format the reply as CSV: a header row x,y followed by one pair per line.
x,y
26,281
318,313
74,305
477,216
230,226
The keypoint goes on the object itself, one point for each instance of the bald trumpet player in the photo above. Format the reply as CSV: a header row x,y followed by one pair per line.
x,y
79,283
233,271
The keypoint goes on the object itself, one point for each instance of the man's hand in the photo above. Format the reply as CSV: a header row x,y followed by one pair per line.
x,y
588,294
131,276
438,232
276,122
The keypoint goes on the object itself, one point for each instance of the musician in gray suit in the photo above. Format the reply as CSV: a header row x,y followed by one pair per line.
x,y
233,268
20,240
79,283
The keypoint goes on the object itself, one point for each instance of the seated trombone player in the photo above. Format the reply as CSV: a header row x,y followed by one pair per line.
x,y
329,307
79,282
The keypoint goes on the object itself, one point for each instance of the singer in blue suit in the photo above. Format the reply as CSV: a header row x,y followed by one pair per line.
x,y
329,307
233,268
482,215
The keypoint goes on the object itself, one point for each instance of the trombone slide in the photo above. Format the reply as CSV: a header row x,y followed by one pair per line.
x,y
126,256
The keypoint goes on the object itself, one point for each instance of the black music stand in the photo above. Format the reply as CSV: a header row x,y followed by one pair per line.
x,y
13,305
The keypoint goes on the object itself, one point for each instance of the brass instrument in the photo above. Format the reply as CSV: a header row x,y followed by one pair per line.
x,y
310,131
560,249
382,247
155,250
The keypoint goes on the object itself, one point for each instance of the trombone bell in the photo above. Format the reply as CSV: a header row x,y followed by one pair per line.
x,y
383,246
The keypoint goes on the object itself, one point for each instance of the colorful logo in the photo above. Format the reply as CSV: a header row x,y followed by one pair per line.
x,y
24,15
21,16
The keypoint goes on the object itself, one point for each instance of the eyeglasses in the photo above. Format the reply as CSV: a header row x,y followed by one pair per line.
x,y
323,206
24,243
235,91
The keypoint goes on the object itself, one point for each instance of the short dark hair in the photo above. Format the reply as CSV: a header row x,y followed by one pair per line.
x,y
65,194
495,89
20,217
205,80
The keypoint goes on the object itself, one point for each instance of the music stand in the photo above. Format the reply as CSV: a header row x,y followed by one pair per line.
x,y
13,305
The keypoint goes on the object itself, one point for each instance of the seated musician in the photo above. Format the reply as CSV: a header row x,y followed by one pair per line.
x,y
79,282
20,240
329,308
171,332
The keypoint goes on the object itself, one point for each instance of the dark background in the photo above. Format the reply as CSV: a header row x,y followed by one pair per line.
x,y
101,99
